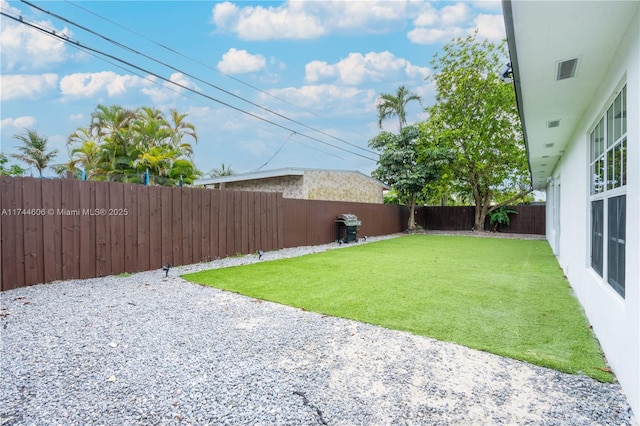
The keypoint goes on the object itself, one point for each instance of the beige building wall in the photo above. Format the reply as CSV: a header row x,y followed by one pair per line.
x,y
317,185
290,186
341,186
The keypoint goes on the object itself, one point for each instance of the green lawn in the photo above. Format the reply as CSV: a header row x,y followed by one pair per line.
x,y
504,296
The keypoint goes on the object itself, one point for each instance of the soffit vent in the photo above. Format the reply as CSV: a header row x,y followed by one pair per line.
x,y
549,145
553,123
567,69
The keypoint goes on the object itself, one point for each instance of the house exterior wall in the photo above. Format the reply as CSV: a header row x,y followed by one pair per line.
x,y
615,319
290,186
341,186
316,185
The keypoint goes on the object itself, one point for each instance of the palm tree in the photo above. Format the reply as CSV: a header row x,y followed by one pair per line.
x,y
179,129
390,105
33,150
109,120
222,171
149,129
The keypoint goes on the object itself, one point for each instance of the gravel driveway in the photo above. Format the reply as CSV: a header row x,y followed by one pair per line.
x,y
145,349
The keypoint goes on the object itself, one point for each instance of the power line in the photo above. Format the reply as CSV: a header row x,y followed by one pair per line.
x,y
134,51
163,46
66,39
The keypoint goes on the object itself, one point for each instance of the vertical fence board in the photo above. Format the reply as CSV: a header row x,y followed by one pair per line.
x,y
257,222
231,224
236,243
176,226
196,226
264,241
48,230
244,222
10,252
273,216
116,227
222,223
213,224
187,228
155,223
87,230
166,205
57,201
103,245
31,255
205,226
279,221
141,214
129,215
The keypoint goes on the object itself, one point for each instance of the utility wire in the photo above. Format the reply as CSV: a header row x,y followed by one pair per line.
x,y
196,61
274,154
164,87
134,51
66,39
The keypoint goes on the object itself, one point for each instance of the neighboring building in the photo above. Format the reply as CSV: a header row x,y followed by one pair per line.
x,y
306,184
576,69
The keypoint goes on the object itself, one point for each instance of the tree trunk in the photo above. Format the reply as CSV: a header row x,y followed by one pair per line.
x,y
412,209
481,210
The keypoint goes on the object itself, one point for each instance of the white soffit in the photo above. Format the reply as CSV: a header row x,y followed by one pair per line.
x,y
548,33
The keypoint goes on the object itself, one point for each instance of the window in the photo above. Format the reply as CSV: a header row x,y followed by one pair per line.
x,y
608,171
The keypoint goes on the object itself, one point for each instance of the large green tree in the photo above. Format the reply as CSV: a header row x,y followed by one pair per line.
x,y
395,105
33,150
475,118
407,166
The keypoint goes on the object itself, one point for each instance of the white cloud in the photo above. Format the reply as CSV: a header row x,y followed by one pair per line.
x,y
358,68
490,27
260,23
312,19
86,85
319,70
22,48
454,14
435,35
328,99
165,91
21,85
240,62
428,16
23,122
435,26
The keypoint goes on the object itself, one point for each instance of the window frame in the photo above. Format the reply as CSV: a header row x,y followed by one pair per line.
x,y
607,162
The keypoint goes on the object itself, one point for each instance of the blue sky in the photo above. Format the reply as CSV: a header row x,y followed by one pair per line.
x,y
319,65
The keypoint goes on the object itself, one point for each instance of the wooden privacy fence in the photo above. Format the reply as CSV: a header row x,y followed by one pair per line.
x,y
54,229
530,219
59,229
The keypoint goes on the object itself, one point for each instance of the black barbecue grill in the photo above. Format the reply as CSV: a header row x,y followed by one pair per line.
x,y
347,227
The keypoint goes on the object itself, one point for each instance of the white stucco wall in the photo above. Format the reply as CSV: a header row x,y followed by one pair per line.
x,y
615,320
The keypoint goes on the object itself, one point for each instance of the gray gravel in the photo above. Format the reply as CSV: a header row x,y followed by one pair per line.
x,y
145,349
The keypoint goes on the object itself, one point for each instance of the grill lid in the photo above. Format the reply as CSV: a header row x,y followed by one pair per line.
x,y
349,219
